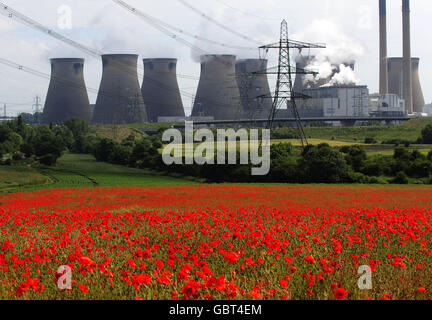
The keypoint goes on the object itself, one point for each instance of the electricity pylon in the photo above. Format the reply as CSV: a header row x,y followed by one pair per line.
x,y
284,94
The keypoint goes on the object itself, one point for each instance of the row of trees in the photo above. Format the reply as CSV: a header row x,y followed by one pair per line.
x,y
315,164
45,143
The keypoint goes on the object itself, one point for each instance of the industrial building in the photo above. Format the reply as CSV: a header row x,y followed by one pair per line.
x,y
254,88
387,105
120,99
160,89
335,101
218,95
67,94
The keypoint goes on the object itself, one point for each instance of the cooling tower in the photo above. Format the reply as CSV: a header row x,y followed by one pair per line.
x,y
300,82
67,94
396,81
120,98
418,98
383,81
160,89
407,63
218,95
254,88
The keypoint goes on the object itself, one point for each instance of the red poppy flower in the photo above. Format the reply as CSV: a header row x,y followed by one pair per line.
x,y
83,288
190,288
340,293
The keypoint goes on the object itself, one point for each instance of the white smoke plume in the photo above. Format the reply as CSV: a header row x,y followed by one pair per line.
x,y
346,75
335,61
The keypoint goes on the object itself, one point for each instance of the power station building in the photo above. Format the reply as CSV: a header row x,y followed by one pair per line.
x,y
387,105
218,95
254,88
120,99
67,94
335,101
160,89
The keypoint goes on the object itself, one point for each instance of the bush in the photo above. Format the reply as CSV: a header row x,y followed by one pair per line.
x,y
370,141
420,168
355,156
357,177
120,154
48,159
401,178
103,149
427,134
322,164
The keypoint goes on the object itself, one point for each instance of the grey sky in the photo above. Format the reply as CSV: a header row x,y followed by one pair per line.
x,y
349,27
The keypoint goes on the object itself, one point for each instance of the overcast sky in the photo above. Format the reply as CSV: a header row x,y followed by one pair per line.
x,y
350,28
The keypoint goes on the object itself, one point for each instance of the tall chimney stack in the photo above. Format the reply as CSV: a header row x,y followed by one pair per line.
x,y
407,65
383,47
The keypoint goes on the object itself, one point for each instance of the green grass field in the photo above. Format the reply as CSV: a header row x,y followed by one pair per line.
x,y
73,170
410,130
17,176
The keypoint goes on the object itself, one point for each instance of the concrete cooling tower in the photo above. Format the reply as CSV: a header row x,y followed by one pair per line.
x,y
254,88
396,81
120,98
218,95
300,82
67,94
160,89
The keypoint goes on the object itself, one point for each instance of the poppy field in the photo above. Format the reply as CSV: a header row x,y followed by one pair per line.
x,y
231,242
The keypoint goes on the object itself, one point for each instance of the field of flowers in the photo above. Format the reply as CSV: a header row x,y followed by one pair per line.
x,y
217,242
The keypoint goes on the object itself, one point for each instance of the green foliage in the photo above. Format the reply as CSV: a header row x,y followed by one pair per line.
x,y
103,149
355,156
427,134
377,166
370,141
142,153
401,154
83,138
283,164
401,178
46,142
323,164
48,159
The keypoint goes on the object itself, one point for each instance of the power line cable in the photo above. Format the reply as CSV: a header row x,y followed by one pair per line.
x,y
155,21
13,14
220,25
246,13
19,17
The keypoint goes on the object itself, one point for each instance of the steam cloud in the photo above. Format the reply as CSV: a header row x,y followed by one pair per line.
x,y
333,64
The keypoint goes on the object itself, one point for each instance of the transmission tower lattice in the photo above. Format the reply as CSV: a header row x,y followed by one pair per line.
x,y
284,94
37,104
